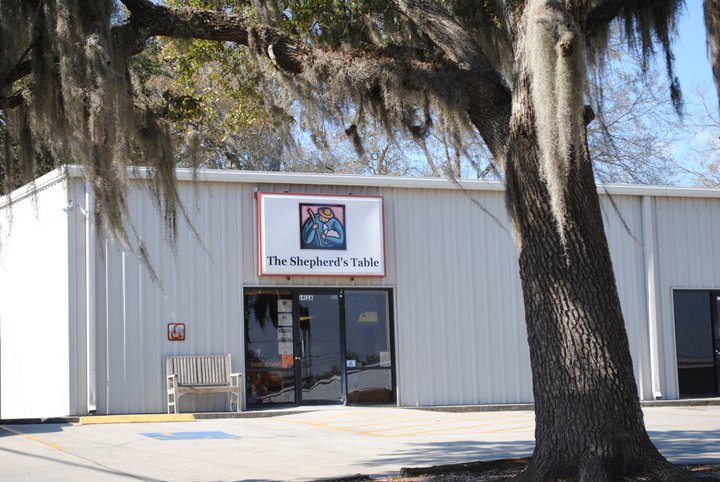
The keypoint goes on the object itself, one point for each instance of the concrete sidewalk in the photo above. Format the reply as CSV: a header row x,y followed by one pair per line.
x,y
306,445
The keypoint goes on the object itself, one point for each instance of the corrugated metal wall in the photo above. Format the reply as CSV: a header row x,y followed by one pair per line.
x,y
199,284
454,273
36,338
459,323
623,228
458,293
451,264
688,246
434,239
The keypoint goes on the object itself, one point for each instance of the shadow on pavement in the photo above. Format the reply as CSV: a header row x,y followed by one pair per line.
x,y
678,446
457,451
8,430
688,446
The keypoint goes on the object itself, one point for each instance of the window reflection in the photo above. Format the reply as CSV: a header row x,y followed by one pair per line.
x,y
268,345
370,386
367,329
265,387
320,346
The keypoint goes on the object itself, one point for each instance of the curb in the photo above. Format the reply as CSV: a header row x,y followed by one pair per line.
x,y
141,418
509,407
190,417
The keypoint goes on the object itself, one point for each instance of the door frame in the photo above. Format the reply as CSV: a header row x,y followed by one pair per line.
x,y
297,334
715,330
297,371
713,298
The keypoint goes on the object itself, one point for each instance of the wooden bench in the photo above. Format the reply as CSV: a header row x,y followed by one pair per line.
x,y
201,374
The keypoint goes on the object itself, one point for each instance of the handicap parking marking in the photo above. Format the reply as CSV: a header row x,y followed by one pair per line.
x,y
190,435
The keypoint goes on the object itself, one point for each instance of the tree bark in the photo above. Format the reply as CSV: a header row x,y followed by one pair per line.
x,y
589,425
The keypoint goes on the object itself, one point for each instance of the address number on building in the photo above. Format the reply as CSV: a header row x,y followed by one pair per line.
x,y
307,297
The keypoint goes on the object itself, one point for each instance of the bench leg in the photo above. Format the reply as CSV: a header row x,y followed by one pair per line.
x,y
235,400
172,403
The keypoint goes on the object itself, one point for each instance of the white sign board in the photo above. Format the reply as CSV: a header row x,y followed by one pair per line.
x,y
320,235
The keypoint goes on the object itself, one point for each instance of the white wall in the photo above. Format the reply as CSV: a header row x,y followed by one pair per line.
x,y
34,289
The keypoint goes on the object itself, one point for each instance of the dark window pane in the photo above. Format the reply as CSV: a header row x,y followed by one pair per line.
x,y
370,386
694,340
367,328
697,381
693,328
264,387
268,329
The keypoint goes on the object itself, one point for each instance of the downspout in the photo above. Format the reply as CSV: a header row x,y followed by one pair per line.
x,y
648,235
90,297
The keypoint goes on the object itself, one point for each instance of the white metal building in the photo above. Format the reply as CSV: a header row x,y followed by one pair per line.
x,y
411,297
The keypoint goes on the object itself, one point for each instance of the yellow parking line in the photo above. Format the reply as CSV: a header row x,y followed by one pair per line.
x,y
320,425
361,423
447,429
378,433
417,421
460,422
342,415
33,438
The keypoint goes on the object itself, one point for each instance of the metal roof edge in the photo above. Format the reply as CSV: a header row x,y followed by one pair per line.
x,y
46,180
658,191
263,177
260,177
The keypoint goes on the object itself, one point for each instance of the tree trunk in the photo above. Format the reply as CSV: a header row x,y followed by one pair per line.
x,y
589,422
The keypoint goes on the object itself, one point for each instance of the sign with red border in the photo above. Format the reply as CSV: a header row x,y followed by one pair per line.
x,y
176,331
320,235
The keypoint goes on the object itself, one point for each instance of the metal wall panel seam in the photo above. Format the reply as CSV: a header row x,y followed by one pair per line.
x,y
91,321
107,326
76,295
473,340
123,308
648,224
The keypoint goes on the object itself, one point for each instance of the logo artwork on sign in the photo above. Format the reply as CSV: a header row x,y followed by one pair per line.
x,y
322,227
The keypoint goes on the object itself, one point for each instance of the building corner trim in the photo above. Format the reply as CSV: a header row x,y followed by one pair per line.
x,y
648,238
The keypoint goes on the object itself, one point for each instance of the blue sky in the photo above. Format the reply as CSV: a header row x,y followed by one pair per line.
x,y
695,73
693,67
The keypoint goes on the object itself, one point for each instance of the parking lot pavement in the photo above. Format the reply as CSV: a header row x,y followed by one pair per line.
x,y
325,443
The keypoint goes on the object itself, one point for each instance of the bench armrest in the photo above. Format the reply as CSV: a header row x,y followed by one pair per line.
x,y
235,379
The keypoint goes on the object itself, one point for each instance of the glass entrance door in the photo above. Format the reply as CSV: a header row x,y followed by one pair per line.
x,y
368,359
305,346
318,347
